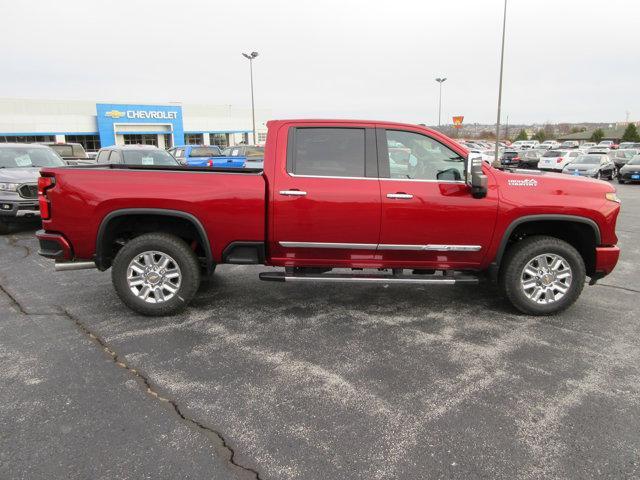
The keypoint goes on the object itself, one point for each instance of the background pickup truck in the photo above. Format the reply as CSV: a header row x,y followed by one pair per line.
x,y
71,153
402,200
205,156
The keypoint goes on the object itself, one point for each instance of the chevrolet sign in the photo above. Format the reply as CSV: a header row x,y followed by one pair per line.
x,y
143,114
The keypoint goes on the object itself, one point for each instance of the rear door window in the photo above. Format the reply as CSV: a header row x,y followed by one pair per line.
x,y
328,152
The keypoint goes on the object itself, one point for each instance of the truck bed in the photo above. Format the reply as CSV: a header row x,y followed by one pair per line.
x,y
230,203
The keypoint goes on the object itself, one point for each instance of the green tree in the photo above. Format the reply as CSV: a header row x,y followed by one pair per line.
x,y
631,134
597,135
540,135
522,136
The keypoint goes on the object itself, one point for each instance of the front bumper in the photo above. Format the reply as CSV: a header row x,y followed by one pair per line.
x,y
14,210
606,259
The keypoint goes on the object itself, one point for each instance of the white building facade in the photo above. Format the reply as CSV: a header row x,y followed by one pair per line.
x,y
96,124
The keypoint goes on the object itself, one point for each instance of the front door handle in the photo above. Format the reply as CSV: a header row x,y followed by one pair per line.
x,y
400,195
293,193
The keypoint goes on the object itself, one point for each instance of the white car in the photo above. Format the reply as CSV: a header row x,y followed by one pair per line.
x,y
587,145
549,144
556,160
606,144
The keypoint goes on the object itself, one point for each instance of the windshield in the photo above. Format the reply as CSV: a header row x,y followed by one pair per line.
x,y
553,153
63,150
588,160
205,152
634,161
24,157
148,157
254,152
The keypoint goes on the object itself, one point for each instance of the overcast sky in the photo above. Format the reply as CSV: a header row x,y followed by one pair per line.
x,y
566,60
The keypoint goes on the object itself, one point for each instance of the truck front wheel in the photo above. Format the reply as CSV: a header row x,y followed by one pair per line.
x,y
156,274
542,275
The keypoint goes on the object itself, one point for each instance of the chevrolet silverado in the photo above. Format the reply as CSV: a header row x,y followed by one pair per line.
x,y
389,202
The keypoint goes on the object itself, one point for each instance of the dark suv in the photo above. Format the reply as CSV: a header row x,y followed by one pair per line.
x,y
510,158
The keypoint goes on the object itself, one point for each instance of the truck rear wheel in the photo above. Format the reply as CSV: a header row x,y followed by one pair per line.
x,y
156,274
542,275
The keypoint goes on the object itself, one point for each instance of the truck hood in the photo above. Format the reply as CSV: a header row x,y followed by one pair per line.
x,y
558,186
19,175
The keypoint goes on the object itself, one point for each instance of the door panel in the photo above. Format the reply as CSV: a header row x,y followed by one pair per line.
x,y
429,217
318,219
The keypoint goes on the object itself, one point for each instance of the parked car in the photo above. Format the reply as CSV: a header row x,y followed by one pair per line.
x,y
608,144
549,144
556,160
631,171
595,166
569,144
620,157
510,158
205,156
315,208
625,145
530,158
135,155
19,172
598,149
525,144
71,153
587,145
254,154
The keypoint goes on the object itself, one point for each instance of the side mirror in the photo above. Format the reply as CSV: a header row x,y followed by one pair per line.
x,y
476,179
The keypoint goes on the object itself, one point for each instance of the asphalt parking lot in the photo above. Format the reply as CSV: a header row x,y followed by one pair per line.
x,y
298,381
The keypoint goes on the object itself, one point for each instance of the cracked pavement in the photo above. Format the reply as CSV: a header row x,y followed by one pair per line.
x,y
316,381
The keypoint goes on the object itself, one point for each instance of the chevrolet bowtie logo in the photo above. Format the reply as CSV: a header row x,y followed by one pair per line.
x,y
114,114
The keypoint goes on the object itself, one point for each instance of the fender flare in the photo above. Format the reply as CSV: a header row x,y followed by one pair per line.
x,y
536,218
152,211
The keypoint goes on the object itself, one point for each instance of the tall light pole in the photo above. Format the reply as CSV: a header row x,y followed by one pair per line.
x,y
504,28
440,81
250,57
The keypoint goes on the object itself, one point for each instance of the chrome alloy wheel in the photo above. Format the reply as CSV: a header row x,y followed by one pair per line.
x,y
154,277
546,278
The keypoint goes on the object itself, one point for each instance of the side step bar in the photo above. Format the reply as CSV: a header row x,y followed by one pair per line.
x,y
388,279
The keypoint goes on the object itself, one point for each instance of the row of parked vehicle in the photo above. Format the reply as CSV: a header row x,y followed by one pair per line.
x,y
605,160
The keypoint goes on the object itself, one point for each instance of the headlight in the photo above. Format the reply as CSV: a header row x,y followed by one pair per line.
x,y
612,196
9,187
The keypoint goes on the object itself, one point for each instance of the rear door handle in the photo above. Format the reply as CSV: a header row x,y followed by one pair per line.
x,y
400,195
293,193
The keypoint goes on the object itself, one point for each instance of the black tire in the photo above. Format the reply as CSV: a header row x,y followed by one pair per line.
x,y
520,254
166,244
4,227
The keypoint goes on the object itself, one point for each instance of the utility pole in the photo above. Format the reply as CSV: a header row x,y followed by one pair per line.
x,y
440,81
250,57
504,28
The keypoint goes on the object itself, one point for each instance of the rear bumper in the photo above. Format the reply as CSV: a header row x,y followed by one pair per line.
x,y
54,245
606,259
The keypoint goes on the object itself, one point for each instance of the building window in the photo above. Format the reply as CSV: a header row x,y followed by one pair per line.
x,y
262,137
167,140
193,138
136,139
91,143
26,138
219,139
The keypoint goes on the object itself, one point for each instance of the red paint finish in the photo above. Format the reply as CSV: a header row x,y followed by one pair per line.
x,y
229,206
248,207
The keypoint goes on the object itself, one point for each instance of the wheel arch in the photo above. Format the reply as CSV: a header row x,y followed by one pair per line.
x,y
551,224
104,239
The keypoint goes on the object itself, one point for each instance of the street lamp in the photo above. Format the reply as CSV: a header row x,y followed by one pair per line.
x,y
504,28
250,57
440,81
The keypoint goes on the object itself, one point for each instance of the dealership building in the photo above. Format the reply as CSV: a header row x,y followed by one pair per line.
x,y
101,124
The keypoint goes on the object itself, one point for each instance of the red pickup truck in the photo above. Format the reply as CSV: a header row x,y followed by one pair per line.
x,y
402,200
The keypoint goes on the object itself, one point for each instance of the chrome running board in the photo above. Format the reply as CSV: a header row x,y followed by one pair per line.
x,y
388,279
66,266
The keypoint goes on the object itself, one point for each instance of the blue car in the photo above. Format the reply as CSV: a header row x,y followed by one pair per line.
x,y
252,154
205,156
